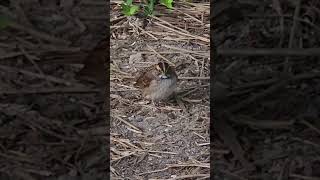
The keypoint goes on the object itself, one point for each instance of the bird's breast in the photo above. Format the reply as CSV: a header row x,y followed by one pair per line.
x,y
160,89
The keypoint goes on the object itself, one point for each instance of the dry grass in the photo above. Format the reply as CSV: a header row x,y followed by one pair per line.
x,y
169,141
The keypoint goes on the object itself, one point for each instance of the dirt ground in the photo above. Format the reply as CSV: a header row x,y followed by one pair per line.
x,y
169,140
270,125
52,125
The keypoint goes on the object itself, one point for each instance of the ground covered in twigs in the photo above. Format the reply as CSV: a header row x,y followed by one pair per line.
x,y
270,128
52,126
169,140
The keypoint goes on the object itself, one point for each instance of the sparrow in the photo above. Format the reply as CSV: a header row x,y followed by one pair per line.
x,y
157,82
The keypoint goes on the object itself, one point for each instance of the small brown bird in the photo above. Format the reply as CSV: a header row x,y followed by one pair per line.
x,y
157,82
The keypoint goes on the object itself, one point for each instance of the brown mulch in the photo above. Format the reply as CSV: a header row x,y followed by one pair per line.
x,y
52,121
267,124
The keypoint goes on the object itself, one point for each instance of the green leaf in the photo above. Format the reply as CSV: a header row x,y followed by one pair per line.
x,y
134,9
125,8
4,22
167,3
149,9
129,2
129,10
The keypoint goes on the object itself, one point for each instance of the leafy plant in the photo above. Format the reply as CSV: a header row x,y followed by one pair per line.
x,y
149,9
128,8
167,3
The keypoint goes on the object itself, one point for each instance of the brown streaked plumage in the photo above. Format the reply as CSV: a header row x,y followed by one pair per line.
x,y
157,82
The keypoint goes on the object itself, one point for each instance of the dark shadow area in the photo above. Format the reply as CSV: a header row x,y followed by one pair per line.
x,y
266,96
52,90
